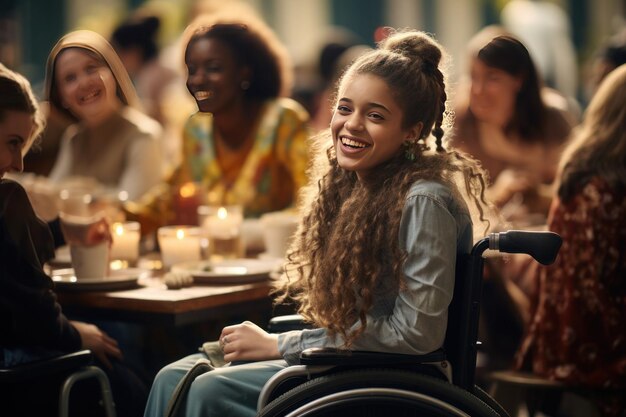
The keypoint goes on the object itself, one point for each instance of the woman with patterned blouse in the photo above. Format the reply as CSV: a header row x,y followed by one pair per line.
x,y
576,334
247,144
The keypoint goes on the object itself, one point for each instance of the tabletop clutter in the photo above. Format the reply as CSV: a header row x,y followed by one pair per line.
x,y
216,243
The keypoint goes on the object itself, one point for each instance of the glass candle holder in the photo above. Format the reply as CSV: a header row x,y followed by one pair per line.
x,y
125,247
222,226
179,244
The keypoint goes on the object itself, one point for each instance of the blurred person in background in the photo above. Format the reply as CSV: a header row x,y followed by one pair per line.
x,y
111,139
578,312
544,28
135,41
315,77
503,120
610,56
32,325
332,64
247,144
158,85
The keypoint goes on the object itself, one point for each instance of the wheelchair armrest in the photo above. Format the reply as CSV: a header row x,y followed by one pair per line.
x,y
45,367
286,323
329,356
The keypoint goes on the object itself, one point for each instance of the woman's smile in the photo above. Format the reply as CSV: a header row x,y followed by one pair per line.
x,y
203,95
93,96
350,144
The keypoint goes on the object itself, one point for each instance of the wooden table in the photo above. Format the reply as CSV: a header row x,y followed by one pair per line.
x,y
156,326
152,302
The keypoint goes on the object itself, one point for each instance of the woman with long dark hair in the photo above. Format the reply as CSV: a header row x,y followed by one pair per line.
x,y
505,121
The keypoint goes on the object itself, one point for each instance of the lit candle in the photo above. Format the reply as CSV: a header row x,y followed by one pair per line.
x,y
224,223
223,227
125,241
179,244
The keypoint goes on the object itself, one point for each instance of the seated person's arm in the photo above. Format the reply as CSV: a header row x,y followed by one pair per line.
x,y
31,315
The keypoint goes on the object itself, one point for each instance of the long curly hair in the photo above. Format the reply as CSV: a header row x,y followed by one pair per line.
x,y
345,251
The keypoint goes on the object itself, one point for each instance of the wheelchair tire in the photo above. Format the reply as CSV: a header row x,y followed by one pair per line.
x,y
433,391
490,401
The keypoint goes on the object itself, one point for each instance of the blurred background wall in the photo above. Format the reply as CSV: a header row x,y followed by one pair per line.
x,y
29,28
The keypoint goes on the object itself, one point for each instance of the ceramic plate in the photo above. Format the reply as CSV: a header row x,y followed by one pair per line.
x,y
64,279
232,271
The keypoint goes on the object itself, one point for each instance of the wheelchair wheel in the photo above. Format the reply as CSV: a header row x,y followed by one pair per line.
x,y
487,399
377,392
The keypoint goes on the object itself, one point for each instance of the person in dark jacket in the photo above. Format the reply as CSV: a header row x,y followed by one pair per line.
x,y
32,324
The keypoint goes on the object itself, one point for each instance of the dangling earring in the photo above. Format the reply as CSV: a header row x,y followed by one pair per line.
x,y
245,84
411,149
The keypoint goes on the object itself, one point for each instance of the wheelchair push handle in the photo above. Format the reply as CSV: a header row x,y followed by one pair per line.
x,y
542,246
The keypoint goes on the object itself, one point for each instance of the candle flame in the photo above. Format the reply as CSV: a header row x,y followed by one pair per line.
x,y
222,213
119,229
187,190
180,234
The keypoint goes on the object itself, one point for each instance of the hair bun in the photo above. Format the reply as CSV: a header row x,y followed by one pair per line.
x,y
414,45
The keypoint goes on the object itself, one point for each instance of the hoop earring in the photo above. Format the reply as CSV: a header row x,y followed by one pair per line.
x,y
411,148
245,84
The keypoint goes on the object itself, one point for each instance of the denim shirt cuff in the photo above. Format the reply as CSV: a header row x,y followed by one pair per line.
x,y
289,346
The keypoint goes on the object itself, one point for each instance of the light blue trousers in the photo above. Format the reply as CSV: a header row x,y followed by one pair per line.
x,y
228,391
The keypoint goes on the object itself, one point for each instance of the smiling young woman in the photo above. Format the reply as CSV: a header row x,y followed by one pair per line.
x,y
372,263
111,139
247,143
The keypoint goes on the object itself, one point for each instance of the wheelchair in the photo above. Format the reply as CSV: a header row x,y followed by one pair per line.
x,y
68,369
331,382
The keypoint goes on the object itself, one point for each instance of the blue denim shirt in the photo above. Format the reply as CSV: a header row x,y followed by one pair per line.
x,y
435,226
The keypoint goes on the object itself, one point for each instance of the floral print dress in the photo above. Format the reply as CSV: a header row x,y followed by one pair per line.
x,y
577,333
269,175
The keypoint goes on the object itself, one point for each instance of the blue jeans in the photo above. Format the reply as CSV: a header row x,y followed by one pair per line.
x,y
226,391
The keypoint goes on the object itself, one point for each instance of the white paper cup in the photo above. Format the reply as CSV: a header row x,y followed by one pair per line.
x,y
278,231
90,262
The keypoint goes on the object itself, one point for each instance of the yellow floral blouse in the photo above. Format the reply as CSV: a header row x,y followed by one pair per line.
x,y
271,175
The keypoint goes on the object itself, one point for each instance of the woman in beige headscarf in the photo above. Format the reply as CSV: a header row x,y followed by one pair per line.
x,y
111,141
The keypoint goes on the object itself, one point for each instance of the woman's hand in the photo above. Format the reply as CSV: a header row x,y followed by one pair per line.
x,y
247,341
100,343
